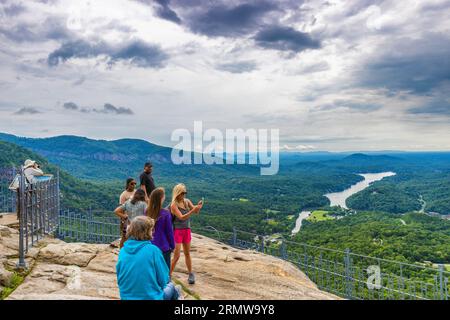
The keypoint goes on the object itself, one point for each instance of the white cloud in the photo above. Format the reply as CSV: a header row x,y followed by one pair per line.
x,y
320,98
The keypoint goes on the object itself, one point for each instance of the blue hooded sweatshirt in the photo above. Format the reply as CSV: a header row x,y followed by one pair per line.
x,y
142,272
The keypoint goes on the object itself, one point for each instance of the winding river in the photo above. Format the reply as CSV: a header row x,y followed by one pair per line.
x,y
339,198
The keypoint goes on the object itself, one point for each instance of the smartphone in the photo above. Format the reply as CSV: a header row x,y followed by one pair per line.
x,y
203,200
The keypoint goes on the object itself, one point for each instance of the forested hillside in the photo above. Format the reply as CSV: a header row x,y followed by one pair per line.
x,y
387,197
418,238
76,193
237,196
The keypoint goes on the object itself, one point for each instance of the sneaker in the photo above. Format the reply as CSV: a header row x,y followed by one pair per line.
x,y
191,278
179,292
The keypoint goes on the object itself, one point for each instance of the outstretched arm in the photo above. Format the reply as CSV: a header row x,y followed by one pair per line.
x,y
120,212
191,205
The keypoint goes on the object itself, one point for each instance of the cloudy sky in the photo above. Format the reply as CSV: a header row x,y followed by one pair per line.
x,y
331,75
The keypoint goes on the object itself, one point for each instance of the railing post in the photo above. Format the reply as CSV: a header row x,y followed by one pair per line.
x,y
58,196
14,195
283,250
348,280
234,240
22,264
262,243
441,281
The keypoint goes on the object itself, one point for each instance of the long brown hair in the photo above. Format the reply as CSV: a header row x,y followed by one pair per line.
x,y
154,207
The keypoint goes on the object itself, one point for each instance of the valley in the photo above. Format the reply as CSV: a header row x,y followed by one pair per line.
x,y
93,176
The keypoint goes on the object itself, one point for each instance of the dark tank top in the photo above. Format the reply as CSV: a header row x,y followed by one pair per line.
x,y
182,224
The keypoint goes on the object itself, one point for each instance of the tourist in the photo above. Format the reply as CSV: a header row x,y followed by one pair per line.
x,y
142,273
31,169
136,206
128,193
163,232
182,209
146,179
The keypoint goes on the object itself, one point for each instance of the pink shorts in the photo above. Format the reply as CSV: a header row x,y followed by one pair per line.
x,y
182,235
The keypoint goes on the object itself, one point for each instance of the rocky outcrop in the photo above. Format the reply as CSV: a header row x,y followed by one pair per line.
x,y
224,272
62,271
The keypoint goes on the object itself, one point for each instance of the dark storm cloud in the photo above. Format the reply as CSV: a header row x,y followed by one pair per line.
x,y
75,49
237,67
70,106
241,19
27,110
415,65
163,9
140,54
285,39
136,52
439,106
165,12
109,108
221,19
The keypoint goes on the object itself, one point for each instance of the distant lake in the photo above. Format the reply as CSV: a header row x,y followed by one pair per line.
x,y
339,198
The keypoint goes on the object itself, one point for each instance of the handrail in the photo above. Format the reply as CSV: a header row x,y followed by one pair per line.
x,y
343,252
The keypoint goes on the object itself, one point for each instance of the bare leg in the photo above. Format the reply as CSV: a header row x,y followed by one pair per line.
x,y
176,256
187,256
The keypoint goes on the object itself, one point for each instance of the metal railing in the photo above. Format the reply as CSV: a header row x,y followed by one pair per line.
x,y
341,272
89,227
347,274
7,197
38,207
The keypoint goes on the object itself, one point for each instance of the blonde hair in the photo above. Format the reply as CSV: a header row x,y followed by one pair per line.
x,y
176,192
141,228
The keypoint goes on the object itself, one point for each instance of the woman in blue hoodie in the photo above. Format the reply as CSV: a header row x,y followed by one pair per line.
x,y
142,273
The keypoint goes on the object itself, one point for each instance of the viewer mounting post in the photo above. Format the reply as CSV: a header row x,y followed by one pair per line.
x,y
348,276
262,243
21,212
58,198
283,251
441,281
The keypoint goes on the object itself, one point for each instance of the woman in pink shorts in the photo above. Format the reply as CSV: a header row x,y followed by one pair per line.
x,y
182,209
